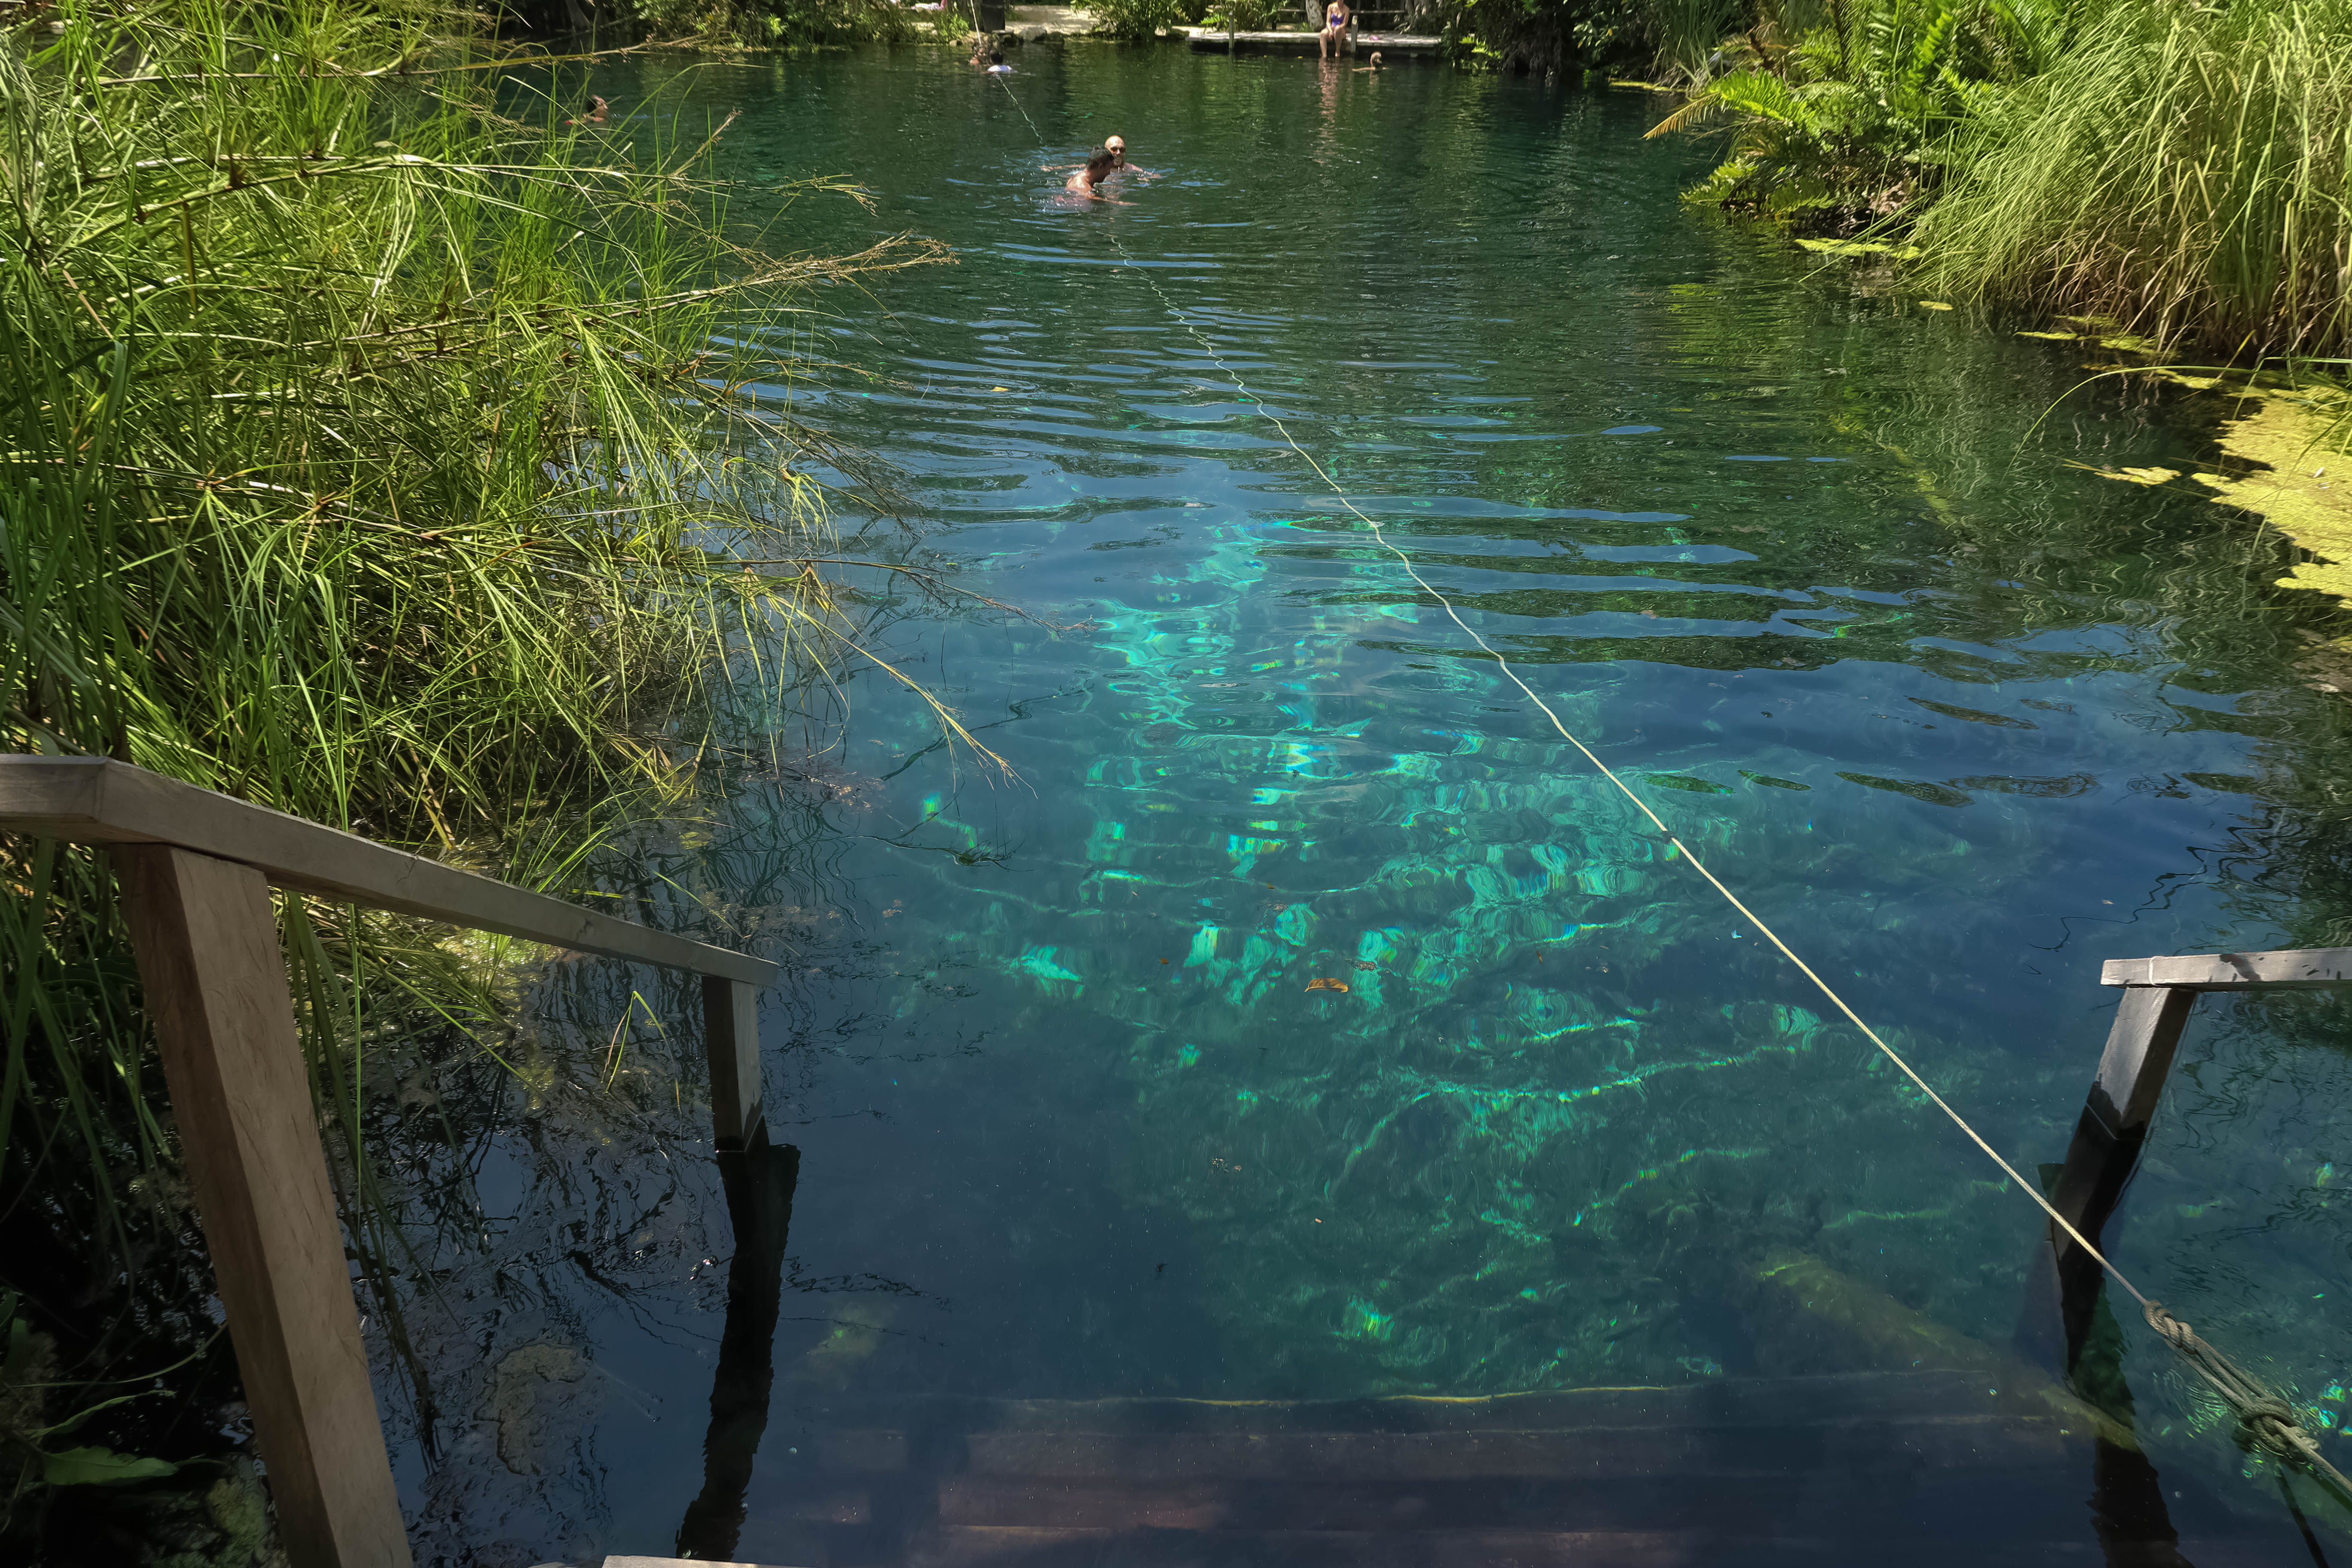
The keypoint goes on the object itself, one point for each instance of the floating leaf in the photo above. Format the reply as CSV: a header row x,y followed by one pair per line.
x,y
1862,247
1366,964
999,389
1339,986
2054,337
1935,304
2040,789
2231,784
2139,476
1976,715
91,1467
1768,779
1677,780
1933,794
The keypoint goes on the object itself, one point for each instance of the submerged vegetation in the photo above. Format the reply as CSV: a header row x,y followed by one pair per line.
x,y
373,452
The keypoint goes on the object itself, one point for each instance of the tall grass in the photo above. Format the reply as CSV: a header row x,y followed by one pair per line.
x,y
2185,169
371,447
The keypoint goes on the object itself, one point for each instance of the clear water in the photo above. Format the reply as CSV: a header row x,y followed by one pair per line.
x,y
1821,572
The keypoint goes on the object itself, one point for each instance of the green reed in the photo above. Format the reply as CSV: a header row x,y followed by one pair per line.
x,y
2184,170
378,445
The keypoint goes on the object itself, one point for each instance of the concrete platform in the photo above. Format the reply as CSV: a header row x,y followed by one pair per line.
x,y
1394,45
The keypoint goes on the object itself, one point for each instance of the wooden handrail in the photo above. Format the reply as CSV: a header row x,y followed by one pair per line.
x,y
94,800
2301,968
2158,997
197,868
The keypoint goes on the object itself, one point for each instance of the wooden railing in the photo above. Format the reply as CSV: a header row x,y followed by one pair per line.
x,y
2157,994
197,868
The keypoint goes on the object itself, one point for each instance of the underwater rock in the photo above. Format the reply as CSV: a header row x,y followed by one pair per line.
x,y
523,1399
1834,1322
857,1333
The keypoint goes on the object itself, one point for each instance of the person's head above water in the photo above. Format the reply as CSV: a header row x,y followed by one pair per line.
x,y
996,57
1116,147
1101,163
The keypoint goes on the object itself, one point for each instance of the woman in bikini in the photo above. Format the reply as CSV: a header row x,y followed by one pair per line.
x,y
1335,29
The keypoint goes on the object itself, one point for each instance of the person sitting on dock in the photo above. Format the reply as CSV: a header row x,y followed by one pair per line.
x,y
1335,29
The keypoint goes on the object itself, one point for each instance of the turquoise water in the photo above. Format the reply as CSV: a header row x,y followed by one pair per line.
x,y
1825,575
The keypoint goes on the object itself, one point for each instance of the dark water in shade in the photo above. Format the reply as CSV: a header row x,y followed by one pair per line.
x,y
1805,562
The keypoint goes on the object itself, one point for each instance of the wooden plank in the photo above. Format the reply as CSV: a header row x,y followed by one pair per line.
x,y
94,800
2304,968
1730,1402
1856,1494
1574,1454
207,941
1394,44
730,1033
2132,1068
980,1546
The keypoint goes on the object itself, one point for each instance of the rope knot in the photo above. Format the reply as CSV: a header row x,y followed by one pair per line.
x,y
2169,1329
2271,1426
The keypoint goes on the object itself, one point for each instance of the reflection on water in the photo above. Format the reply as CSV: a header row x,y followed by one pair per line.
x,y
1303,1021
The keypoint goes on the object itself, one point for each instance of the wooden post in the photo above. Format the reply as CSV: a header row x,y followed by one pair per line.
x,y
2132,1068
215,979
730,1022
2100,1160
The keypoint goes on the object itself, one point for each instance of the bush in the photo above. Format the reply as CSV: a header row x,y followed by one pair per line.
x,y
1138,20
788,24
1841,115
374,450
2186,171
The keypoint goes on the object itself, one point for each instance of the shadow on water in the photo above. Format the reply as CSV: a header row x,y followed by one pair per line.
x,y
758,1185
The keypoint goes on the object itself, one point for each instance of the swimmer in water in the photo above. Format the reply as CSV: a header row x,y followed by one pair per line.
x,y
595,114
1116,147
996,66
1097,169
1373,66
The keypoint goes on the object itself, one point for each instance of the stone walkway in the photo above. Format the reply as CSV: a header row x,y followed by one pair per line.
x,y
1046,19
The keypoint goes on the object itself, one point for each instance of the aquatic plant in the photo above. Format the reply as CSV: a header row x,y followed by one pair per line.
x,y
372,450
2186,171
1840,114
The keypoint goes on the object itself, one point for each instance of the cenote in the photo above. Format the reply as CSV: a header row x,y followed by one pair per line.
x,y
1831,577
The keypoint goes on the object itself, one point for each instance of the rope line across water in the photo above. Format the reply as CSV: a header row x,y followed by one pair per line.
x,y
2268,1420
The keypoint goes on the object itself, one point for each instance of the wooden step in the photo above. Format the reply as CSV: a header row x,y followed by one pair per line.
x,y
972,1547
1721,1401
1927,1468
1588,1453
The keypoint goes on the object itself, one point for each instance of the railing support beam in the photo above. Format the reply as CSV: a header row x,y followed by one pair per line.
x,y
209,961
731,1032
